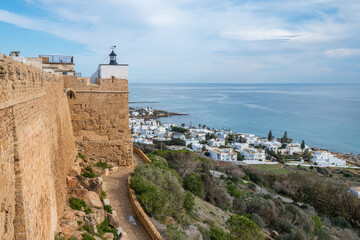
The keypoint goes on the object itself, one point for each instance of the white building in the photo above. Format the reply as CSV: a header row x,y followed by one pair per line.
x,y
241,146
113,69
216,142
251,138
326,159
355,191
223,154
142,141
253,154
222,133
197,147
272,145
292,148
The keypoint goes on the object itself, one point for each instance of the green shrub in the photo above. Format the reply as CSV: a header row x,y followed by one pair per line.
x,y
158,188
243,228
179,129
87,228
216,233
88,210
233,190
189,201
87,237
341,222
258,220
173,233
195,185
89,173
108,208
317,222
322,234
104,227
81,155
103,165
77,204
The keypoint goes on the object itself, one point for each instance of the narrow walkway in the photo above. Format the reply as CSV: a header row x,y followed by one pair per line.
x,y
116,188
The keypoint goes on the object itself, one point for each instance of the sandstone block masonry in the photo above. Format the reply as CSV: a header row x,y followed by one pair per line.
x,y
40,113
36,150
100,118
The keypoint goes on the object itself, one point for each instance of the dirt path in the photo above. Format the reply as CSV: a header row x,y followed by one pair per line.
x,y
116,188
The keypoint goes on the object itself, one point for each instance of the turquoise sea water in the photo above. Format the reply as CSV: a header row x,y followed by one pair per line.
x,y
324,115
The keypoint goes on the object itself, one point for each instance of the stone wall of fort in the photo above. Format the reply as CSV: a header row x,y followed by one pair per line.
x,y
100,118
36,150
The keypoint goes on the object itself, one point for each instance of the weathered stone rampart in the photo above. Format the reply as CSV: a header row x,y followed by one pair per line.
x,y
100,118
37,150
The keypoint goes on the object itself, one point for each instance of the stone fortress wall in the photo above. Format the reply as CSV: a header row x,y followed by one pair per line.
x,y
42,115
100,118
37,150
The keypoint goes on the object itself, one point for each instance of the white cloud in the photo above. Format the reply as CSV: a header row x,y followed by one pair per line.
x,y
342,52
160,37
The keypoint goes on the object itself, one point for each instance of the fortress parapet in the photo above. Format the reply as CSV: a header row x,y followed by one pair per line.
x,y
100,114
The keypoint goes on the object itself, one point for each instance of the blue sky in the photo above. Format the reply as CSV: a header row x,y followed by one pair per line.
x,y
258,41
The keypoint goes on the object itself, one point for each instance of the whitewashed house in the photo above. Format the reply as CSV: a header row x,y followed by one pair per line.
x,y
253,154
241,145
223,154
272,145
323,158
292,148
216,142
197,147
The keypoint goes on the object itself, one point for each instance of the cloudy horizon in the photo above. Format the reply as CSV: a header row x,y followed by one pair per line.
x,y
277,41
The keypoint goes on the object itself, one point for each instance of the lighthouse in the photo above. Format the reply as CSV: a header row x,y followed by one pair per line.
x,y
112,69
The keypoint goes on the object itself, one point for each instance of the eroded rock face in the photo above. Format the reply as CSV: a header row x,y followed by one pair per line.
x,y
92,200
67,230
91,219
100,215
113,220
109,236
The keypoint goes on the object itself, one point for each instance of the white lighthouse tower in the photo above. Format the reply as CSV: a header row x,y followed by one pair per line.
x,y
113,69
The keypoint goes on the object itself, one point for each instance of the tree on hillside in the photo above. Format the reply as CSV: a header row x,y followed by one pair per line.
x,y
183,124
270,136
303,145
285,138
243,228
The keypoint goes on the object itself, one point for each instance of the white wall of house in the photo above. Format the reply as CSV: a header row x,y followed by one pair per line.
x,y
107,71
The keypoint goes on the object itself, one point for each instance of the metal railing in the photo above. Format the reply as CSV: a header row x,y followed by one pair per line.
x,y
57,59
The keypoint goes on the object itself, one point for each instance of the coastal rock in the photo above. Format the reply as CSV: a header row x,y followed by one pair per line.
x,y
92,200
108,236
113,220
100,215
80,193
91,219
67,230
80,213
75,171
71,182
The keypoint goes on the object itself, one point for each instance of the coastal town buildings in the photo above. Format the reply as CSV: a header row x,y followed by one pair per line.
x,y
323,158
223,154
216,144
253,154
56,64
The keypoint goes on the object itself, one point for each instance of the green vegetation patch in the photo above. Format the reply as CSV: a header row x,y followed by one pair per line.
x,y
88,173
103,165
77,204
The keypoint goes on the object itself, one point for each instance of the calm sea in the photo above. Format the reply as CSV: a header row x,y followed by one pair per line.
x,y
324,115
